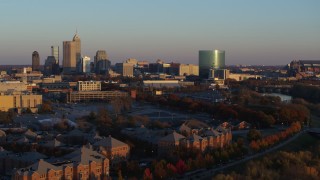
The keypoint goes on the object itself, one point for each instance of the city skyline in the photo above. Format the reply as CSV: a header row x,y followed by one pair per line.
x,y
250,32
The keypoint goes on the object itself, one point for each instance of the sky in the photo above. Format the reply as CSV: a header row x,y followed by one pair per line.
x,y
272,32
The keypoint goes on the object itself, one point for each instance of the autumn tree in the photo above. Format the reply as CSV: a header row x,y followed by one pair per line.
x,y
253,134
181,167
103,117
46,107
147,175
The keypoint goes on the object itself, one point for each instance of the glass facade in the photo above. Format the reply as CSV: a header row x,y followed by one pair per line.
x,y
55,53
209,59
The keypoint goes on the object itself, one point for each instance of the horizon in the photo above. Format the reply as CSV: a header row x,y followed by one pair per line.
x,y
261,33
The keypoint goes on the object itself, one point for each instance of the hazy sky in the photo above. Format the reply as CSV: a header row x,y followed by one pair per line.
x,y
250,31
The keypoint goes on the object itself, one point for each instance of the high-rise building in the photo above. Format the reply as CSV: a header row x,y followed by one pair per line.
x,y
35,61
188,69
72,55
209,59
55,53
69,56
125,69
49,66
101,62
86,64
77,41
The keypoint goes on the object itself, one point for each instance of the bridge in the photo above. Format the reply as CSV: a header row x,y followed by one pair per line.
x,y
274,88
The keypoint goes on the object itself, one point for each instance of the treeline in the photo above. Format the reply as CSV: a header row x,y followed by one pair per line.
x,y
178,161
263,143
282,165
260,118
6,117
308,92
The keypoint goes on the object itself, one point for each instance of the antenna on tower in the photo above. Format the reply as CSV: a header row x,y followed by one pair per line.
x,y
76,30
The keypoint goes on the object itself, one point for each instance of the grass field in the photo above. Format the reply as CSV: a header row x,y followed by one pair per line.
x,y
315,121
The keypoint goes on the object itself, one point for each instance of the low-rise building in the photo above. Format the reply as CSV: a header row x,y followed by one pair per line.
x,y
207,138
13,85
113,149
83,163
89,86
19,101
83,96
10,160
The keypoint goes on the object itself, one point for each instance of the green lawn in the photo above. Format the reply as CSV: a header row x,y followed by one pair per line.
x,y
315,121
303,142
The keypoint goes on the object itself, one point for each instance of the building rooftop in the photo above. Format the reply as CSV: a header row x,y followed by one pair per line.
x,y
173,137
110,142
84,155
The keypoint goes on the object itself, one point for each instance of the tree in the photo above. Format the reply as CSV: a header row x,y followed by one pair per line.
x,y
28,111
181,167
46,107
254,134
5,117
147,175
103,117
120,175
92,116
254,146
159,170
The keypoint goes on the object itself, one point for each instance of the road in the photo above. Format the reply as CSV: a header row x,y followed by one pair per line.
x,y
211,172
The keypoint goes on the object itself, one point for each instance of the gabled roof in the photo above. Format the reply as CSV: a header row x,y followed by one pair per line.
x,y
26,156
173,137
76,132
222,129
23,140
42,167
84,156
53,143
211,132
110,142
184,127
2,133
195,138
96,136
30,133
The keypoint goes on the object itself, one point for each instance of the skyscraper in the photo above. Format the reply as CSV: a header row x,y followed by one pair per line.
x,y
55,53
50,65
101,62
69,56
77,41
72,55
86,64
35,61
209,59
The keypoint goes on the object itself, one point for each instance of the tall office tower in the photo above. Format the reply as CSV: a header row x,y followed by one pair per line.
x,y
210,60
77,41
125,69
101,62
86,64
35,61
50,65
55,53
69,56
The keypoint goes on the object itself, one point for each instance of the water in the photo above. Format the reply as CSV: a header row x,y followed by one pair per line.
x,y
283,97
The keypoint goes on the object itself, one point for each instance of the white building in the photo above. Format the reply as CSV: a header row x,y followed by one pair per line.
x,y
86,64
89,86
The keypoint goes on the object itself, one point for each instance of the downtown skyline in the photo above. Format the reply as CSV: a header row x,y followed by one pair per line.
x,y
259,33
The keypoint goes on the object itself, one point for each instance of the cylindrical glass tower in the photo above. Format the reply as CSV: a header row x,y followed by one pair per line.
x,y
209,59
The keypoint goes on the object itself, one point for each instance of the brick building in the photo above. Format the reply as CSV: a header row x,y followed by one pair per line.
x,y
82,164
